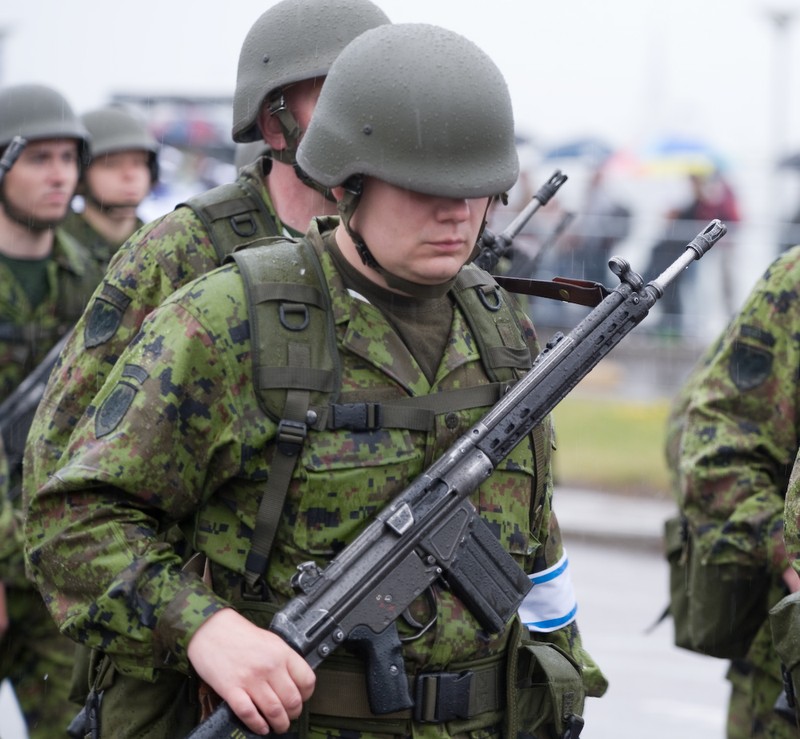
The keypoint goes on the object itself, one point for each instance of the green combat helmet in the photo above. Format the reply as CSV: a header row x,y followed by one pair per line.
x,y
114,129
292,41
419,107
37,112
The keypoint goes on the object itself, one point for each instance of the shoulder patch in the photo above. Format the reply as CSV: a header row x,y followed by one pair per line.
x,y
114,408
105,316
749,365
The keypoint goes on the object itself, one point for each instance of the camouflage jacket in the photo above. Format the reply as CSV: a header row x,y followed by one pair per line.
x,y
164,255
741,427
99,246
176,435
28,333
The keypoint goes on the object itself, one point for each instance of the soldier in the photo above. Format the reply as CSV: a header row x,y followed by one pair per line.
x,y
46,278
733,436
184,429
283,61
122,171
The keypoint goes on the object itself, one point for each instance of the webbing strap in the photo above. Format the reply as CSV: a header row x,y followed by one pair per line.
x,y
343,693
417,413
292,431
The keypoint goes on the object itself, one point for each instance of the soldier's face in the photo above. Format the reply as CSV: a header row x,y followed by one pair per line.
x,y
120,178
42,181
422,238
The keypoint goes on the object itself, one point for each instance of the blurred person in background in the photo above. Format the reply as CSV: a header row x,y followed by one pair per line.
x,y
122,171
732,437
711,197
46,279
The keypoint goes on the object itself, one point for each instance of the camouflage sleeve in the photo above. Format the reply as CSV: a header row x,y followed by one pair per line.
x,y
791,532
741,428
162,257
160,437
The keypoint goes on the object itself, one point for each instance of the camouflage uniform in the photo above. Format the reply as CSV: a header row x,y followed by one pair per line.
x,y
33,655
176,435
100,247
735,426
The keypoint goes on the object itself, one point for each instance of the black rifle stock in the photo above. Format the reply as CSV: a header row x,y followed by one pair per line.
x,y
18,409
431,532
494,247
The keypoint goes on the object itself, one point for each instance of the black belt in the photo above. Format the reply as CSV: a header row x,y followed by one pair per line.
x,y
438,696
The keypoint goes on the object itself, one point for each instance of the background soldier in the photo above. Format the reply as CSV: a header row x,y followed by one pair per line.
x,y
734,433
282,64
284,58
179,431
122,171
46,279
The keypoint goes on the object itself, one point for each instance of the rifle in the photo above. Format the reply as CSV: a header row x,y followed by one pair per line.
x,y
18,409
493,248
431,531
11,154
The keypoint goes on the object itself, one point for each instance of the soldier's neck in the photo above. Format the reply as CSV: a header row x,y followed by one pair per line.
x,y
114,227
295,203
19,242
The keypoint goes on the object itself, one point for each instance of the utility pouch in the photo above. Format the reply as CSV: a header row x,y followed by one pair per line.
x,y
717,608
546,692
784,620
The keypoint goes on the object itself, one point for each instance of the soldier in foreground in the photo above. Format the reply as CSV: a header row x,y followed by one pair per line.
x,y
122,171
733,437
183,431
46,279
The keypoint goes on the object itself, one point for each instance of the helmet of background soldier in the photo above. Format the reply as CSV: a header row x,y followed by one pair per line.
x,y
292,41
113,129
419,107
38,112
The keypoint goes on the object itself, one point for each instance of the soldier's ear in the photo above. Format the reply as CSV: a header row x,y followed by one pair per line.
x,y
271,129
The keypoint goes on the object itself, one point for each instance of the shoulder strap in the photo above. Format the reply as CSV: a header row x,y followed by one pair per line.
x,y
234,214
295,368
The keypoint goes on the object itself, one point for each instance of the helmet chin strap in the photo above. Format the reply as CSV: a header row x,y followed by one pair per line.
x,y
353,189
103,205
291,133
37,225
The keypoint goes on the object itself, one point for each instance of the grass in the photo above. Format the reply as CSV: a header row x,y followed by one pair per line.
x,y
611,444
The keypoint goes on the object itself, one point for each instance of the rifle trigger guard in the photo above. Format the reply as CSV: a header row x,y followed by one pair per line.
x,y
414,624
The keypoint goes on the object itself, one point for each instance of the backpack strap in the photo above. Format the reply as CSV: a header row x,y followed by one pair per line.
x,y
295,369
234,214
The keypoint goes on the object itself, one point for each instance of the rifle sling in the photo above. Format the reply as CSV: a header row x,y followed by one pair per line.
x,y
580,292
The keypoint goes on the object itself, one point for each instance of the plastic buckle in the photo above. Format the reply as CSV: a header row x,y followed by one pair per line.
x,y
291,435
442,696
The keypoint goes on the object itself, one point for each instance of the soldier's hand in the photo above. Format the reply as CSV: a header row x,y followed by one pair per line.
x,y
263,680
791,579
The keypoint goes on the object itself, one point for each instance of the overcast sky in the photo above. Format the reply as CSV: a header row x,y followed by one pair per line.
x,y
627,70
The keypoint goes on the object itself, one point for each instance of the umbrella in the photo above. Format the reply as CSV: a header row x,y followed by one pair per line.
x,y
679,155
590,149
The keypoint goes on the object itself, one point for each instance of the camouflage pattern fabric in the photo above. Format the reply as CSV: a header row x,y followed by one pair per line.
x,y
99,246
162,256
34,656
176,435
72,276
734,430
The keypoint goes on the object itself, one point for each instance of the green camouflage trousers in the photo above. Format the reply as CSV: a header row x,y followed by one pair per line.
x,y
753,694
37,660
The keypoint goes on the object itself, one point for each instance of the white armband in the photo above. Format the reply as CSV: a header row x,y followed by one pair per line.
x,y
551,603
